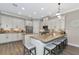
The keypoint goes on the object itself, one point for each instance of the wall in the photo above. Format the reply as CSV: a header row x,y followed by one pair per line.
x,y
71,24
72,28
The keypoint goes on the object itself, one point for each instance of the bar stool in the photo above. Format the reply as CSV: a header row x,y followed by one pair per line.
x,y
29,49
63,42
50,48
59,46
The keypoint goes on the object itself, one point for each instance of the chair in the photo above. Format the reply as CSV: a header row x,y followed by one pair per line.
x,y
59,46
28,47
50,48
63,42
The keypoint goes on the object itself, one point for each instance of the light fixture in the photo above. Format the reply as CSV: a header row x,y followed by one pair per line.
x,y
23,8
42,8
58,14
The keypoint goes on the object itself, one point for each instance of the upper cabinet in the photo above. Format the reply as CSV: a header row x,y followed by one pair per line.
x,y
36,26
18,23
56,23
29,23
5,22
11,22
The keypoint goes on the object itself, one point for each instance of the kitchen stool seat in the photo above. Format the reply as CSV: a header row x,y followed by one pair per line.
x,y
59,46
29,49
63,42
50,48
29,46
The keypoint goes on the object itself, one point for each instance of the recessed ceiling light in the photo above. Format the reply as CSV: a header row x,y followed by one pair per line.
x,y
23,8
42,8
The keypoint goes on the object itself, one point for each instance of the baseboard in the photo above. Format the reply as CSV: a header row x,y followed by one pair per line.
x,y
75,45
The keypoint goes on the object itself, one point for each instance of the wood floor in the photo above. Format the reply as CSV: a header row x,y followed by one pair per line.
x,y
16,48
71,50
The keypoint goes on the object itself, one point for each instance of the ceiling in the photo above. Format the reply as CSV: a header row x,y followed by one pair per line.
x,y
37,10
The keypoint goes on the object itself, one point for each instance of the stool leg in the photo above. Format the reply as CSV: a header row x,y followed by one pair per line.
x,y
34,51
45,51
58,49
55,51
62,46
65,43
24,51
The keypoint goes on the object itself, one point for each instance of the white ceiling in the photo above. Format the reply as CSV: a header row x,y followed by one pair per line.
x,y
34,9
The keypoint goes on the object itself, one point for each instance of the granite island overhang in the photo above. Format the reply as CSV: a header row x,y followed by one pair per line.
x,y
47,38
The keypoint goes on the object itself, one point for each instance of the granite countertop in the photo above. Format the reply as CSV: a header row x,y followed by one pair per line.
x,y
47,38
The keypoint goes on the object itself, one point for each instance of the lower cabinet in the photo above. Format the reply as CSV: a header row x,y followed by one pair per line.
x,y
8,37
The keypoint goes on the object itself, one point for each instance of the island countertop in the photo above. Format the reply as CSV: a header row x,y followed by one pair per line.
x,y
40,41
47,38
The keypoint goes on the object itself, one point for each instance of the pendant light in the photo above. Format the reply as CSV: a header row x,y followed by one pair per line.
x,y
58,14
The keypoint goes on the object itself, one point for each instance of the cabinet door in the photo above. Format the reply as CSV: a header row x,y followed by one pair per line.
x,y
14,23
20,24
6,22
3,38
35,26
20,36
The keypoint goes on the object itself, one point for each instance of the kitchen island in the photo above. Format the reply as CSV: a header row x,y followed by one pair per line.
x,y
41,40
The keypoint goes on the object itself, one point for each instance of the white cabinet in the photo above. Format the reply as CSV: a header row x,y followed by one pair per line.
x,y
4,38
11,22
56,23
28,23
10,37
6,22
20,24
36,26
